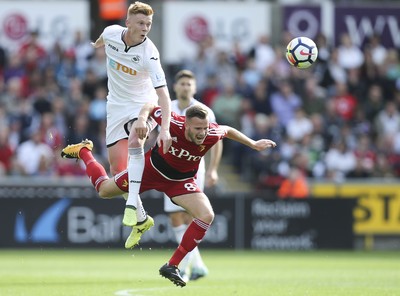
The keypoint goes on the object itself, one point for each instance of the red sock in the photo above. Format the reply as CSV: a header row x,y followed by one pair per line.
x,y
192,237
94,170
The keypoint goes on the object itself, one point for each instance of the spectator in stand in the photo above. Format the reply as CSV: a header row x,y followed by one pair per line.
x,y
350,55
227,106
32,53
299,126
90,84
225,69
370,71
365,155
313,97
391,67
83,52
66,69
15,68
340,161
333,73
260,97
211,90
98,105
6,152
50,135
374,102
294,185
378,51
59,111
383,168
280,68
34,158
203,64
285,102
387,121
344,103
97,64
250,76
263,54
3,59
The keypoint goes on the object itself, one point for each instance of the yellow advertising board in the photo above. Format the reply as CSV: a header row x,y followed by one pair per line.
x,y
378,205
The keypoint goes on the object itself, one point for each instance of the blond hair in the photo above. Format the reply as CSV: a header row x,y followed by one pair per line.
x,y
140,7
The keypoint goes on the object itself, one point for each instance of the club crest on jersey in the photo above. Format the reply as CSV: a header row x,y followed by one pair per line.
x,y
135,59
157,113
202,147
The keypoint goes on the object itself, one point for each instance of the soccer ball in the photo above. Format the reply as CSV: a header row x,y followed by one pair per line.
x,y
301,52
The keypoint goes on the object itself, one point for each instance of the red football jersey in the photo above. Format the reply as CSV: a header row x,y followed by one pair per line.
x,y
183,156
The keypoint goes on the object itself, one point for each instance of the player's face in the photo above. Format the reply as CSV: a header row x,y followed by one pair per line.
x,y
196,130
139,25
185,88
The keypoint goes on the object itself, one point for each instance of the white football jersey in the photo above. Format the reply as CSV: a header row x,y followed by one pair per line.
x,y
133,72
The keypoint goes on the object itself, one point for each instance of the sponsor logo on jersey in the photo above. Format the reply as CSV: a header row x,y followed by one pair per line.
x,y
184,154
202,147
135,59
154,58
119,67
113,47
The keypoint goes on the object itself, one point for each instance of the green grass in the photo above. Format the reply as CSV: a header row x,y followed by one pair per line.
x,y
247,273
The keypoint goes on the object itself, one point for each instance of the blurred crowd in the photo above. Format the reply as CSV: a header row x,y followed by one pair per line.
x,y
337,120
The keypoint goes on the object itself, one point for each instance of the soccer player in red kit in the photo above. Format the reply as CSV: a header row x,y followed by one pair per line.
x,y
172,173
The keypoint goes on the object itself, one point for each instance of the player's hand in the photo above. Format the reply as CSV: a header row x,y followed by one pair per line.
x,y
141,128
164,139
263,144
211,178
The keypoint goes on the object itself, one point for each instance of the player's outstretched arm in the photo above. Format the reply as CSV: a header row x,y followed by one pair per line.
x,y
238,136
215,159
98,43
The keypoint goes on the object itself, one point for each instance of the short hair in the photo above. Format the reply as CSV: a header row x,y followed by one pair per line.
x,y
140,7
196,110
184,74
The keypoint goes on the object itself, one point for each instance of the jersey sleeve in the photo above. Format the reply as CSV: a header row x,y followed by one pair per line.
x,y
154,67
109,31
216,131
156,114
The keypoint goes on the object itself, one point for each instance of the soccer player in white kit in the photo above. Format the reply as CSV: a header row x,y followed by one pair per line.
x,y
135,77
192,266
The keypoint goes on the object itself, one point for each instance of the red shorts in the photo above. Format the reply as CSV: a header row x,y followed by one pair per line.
x,y
152,179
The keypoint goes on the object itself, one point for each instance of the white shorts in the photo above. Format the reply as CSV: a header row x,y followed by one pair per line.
x,y
118,121
170,207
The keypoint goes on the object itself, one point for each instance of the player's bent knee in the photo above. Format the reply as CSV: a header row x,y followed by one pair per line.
x,y
104,195
207,217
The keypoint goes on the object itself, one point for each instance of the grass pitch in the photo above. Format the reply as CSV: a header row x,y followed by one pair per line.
x,y
124,273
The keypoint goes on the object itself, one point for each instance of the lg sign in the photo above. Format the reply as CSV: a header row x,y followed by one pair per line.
x,y
15,26
196,28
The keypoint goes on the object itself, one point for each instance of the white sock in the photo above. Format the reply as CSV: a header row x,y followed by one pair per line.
x,y
140,212
135,173
197,261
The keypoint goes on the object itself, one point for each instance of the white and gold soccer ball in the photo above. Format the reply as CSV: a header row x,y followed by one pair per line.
x,y
301,52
